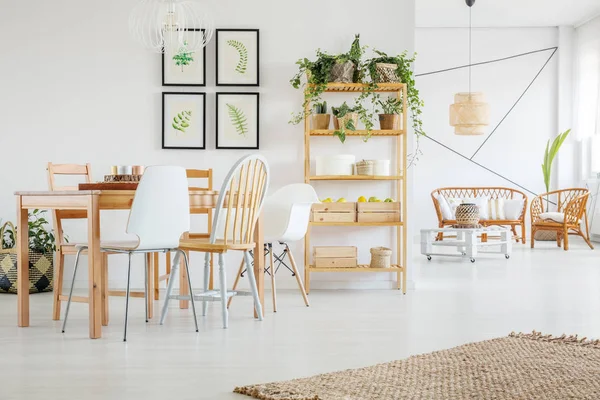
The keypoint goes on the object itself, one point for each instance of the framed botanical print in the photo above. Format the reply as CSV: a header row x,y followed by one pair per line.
x,y
237,120
237,57
183,120
182,67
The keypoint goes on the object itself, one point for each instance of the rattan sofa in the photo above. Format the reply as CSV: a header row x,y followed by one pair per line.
x,y
492,193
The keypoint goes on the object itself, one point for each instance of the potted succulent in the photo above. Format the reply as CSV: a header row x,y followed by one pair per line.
x,y
344,118
42,245
391,110
320,119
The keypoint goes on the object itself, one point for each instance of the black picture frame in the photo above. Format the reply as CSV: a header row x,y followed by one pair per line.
x,y
203,84
221,147
164,98
225,84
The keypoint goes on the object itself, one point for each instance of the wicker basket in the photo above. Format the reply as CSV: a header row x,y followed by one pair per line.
x,y
545,236
467,214
386,73
365,167
381,257
342,121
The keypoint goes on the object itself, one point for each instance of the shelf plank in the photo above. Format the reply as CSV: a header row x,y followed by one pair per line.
x,y
360,268
355,178
316,223
359,87
359,132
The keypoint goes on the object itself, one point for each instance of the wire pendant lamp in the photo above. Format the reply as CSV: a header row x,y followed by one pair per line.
x,y
161,25
470,114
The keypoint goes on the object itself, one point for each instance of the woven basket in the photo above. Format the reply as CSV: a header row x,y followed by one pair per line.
x,y
545,236
386,73
365,167
381,257
467,214
341,121
41,269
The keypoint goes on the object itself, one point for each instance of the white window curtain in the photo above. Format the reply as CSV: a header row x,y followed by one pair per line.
x,y
587,95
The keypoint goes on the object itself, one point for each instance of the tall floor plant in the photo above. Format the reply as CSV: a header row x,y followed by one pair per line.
x,y
549,155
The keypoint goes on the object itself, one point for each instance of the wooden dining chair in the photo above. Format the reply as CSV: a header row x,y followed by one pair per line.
x,y
238,209
192,174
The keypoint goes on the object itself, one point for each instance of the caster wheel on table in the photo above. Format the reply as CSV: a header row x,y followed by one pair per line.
x,y
428,258
472,260
507,256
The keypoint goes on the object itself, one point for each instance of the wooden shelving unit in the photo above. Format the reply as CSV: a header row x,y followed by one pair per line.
x,y
398,181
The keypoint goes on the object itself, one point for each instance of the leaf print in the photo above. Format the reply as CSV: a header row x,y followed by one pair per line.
x,y
243,53
181,121
238,119
183,56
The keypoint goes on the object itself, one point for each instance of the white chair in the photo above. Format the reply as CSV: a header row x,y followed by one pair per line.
x,y
286,214
238,208
159,215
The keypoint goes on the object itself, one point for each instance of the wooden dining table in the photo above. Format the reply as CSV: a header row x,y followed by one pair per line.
x,y
93,201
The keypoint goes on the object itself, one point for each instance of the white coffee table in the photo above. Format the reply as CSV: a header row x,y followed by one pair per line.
x,y
466,242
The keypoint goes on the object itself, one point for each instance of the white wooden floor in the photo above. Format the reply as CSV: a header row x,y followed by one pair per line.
x,y
455,302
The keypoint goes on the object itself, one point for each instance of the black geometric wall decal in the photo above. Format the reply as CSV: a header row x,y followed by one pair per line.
x,y
470,159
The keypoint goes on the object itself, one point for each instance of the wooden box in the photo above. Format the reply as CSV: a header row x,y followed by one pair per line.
x,y
334,212
335,256
378,212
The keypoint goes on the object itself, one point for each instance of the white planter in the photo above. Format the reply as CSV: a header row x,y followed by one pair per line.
x,y
381,167
341,164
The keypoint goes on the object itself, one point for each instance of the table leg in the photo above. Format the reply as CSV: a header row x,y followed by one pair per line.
x,y
259,262
507,246
471,245
95,267
426,243
460,236
105,311
22,265
150,296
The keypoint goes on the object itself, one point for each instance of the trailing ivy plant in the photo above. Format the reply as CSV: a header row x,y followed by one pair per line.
x,y
41,240
340,112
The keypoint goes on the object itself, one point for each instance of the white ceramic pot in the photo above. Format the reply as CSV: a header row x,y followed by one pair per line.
x,y
381,167
341,164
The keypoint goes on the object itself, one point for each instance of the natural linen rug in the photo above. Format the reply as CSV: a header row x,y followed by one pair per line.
x,y
518,367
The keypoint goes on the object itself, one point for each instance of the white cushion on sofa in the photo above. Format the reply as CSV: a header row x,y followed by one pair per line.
x,y
554,216
513,209
496,209
444,207
482,204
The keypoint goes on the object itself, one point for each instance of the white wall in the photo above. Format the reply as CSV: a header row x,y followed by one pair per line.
x,y
74,88
516,149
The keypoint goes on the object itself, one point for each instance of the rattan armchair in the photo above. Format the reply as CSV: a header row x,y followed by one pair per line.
x,y
568,218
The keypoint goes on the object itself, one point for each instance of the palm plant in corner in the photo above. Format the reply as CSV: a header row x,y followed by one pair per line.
x,y
549,155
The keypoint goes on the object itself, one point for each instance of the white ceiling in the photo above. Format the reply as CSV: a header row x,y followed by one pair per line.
x,y
505,13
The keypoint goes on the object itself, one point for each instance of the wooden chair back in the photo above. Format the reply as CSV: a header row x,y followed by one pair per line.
x,y
54,170
196,174
572,202
240,201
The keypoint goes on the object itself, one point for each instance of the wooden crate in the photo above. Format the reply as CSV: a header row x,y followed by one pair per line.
x,y
333,212
378,212
335,256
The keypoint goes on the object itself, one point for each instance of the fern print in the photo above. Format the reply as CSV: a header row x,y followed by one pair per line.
x,y
243,53
181,121
238,119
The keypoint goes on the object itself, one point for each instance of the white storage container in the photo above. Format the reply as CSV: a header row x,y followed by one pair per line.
x,y
381,167
341,164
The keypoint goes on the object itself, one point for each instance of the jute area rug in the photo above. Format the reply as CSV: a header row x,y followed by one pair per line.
x,y
518,367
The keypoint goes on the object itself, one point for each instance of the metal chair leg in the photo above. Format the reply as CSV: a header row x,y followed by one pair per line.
x,y
206,281
223,290
257,305
72,285
127,298
146,285
187,270
170,282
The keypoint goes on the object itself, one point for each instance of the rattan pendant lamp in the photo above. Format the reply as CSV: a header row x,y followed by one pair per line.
x,y
470,114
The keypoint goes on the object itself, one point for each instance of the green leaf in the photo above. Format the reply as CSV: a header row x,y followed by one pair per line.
x,y
238,119
243,55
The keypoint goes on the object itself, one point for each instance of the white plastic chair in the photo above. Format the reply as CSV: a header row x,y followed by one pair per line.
x,y
159,215
286,218
238,208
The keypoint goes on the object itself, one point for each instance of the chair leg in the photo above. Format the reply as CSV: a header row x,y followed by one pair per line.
x,y
566,239
307,279
223,291
253,287
523,234
297,275
104,272
587,233
146,284
189,279
237,280
206,281
58,285
170,283
72,286
156,275
558,239
532,239
127,297
273,285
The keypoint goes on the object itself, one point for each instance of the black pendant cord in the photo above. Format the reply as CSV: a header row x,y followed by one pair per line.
x,y
470,48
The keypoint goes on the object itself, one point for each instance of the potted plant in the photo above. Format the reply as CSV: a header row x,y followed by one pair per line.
x,y
344,117
42,245
389,118
320,119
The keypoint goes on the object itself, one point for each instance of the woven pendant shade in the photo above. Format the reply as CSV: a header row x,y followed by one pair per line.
x,y
470,114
